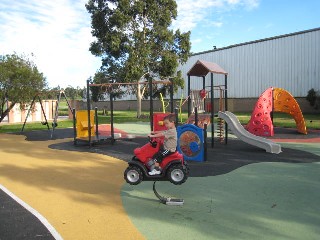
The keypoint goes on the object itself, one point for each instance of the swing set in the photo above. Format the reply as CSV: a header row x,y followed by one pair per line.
x,y
56,112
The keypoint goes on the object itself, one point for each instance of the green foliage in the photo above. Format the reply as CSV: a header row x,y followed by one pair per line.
x,y
74,93
133,37
98,93
313,98
20,81
70,92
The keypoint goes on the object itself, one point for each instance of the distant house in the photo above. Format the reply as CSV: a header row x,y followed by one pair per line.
x,y
16,115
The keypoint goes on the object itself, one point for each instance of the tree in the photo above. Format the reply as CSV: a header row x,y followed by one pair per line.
x,y
135,41
74,93
313,98
20,81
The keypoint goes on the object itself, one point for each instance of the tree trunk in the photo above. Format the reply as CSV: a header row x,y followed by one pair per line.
x,y
6,112
139,98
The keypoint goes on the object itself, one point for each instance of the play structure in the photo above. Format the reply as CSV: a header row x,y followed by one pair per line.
x,y
197,98
86,127
192,136
191,148
83,126
192,142
158,124
32,105
56,111
80,124
274,100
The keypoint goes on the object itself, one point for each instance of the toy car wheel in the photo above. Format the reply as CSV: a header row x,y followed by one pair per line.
x,y
133,175
134,158
177,174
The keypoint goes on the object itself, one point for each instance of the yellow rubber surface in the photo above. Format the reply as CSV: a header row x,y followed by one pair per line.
x,y
77,192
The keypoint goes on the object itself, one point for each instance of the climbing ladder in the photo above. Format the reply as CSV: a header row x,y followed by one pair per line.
x,y
221,122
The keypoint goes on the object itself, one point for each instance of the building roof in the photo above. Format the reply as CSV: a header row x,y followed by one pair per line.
x,y
257,41
202,68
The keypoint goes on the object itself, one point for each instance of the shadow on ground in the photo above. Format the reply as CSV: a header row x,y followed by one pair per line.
x,y
221,158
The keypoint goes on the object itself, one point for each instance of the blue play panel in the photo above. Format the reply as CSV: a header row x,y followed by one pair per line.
x,y
191,142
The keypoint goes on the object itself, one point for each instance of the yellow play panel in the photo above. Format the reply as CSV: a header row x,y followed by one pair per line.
x,y
77,192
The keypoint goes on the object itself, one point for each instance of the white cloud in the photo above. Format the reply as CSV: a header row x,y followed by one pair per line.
x,y
217,24
233,1
197,40
57,32
251,4
193,12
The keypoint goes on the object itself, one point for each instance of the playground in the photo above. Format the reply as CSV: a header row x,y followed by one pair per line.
x,y
240,192
244,182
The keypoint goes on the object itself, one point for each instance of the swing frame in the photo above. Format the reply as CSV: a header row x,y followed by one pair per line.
x,y
109,85
56,113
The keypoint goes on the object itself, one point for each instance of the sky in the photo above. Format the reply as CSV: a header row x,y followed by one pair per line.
x,y
56,35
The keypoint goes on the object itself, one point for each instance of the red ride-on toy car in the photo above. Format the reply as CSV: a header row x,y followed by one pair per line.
x,y
174,168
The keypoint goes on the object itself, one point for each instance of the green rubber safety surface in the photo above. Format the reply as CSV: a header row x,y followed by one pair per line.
x,y
257,201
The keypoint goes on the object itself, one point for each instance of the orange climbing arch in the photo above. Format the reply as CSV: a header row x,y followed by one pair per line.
x,y
277,100
283,101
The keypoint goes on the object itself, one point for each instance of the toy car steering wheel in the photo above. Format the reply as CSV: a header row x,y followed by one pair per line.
x,y
152,142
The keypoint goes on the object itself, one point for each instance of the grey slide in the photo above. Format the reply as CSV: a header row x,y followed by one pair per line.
x,y
244,135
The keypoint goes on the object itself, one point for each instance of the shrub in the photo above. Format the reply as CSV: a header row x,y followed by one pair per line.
x,y
313,98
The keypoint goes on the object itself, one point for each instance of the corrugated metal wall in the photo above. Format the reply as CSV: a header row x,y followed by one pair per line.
x,y
290,61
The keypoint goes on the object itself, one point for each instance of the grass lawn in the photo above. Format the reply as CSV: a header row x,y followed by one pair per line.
x,y
285,120
280,120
